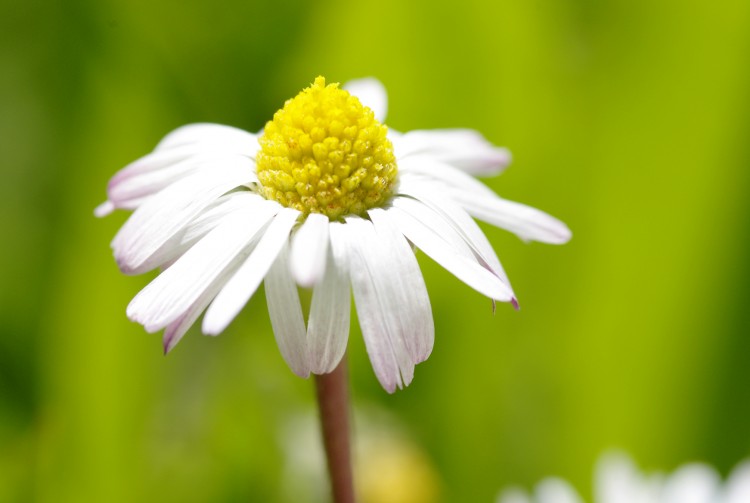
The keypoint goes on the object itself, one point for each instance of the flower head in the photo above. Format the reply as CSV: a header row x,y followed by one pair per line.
x,y
619,481
326,197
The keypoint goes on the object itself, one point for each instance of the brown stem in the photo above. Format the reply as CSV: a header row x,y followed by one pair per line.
x,y
333,401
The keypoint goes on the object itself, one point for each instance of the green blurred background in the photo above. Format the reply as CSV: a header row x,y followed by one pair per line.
x,y
629,120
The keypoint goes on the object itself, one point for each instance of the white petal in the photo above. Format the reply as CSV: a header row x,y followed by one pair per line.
x,y
132,204
206,135
175,330
456,227
692,484
213,215
464,149
460,221
385,323
738,485
161,217
513,495
131,192
152,162
217,211
468,271
394,136
154,171
177,288
104,209
429,218
372,94
524,221
238,290
554,490
328,327
439,171
408,286
286,314
123,189
309,246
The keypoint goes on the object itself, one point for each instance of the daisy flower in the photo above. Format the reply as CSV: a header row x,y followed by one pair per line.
x,y
618,480
325,197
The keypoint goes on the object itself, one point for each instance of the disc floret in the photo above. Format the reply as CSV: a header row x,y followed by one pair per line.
x,y
324,152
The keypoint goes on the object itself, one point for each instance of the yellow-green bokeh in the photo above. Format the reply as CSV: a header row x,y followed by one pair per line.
x,y
629,120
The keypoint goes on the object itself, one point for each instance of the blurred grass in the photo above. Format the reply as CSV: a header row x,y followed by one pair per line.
x,y
628,120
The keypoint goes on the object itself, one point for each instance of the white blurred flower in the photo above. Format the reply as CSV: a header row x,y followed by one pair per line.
x,y
325,198
618,480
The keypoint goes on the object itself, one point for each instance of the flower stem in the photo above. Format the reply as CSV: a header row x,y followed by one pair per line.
x,y
333,401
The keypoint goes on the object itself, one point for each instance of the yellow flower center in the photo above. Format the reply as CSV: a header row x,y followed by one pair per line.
x,y
324,152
